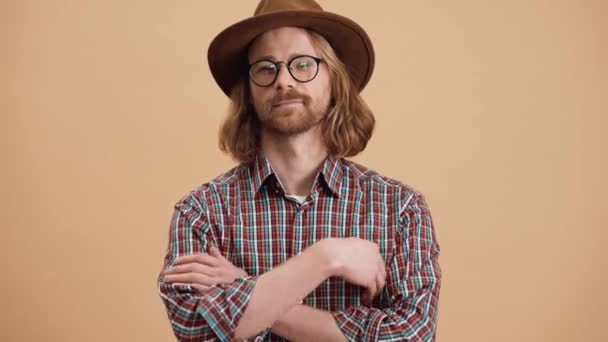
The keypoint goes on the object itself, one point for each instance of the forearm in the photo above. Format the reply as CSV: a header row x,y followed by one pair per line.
x,y
303,323
182,312
278,291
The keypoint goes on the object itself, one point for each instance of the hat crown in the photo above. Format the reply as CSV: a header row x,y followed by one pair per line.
x,y
270,6
227,53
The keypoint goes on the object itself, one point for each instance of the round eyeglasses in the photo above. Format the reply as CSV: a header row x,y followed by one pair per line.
x,y
302,68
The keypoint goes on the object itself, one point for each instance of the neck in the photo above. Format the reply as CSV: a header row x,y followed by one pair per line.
x,y
296,159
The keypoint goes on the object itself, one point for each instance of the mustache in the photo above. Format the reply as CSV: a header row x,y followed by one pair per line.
x,y
290,95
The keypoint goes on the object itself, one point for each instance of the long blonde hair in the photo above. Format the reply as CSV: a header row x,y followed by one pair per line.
x,y
347,127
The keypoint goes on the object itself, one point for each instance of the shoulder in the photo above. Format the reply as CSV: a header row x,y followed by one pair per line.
x,y
208,193
371,180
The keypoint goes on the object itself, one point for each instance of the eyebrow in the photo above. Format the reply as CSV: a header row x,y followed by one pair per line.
x,y
274,59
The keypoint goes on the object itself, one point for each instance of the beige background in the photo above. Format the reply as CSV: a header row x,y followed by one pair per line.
x,y
493,109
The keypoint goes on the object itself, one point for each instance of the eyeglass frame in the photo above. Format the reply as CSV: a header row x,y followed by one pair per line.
x,y
287,63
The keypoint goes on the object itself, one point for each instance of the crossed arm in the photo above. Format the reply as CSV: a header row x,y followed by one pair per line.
x,y
248,305
284,287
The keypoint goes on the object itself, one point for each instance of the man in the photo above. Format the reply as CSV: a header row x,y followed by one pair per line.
x,y
296,242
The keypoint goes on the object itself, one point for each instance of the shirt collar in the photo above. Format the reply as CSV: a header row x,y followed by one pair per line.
x,y
331,173
259,170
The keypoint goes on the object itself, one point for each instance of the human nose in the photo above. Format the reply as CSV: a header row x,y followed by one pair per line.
x,y
284,78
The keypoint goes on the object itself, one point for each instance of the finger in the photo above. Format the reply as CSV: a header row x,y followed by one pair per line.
x,y
199,258
197,287
242,273
379,282
382,273
373,289
382,267
190,278
215,252
193,268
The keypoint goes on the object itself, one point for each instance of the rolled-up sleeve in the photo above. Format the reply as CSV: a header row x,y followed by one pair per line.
x,y
413,283
211,315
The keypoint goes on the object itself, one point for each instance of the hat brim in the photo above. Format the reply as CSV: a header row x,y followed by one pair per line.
x,y
228,51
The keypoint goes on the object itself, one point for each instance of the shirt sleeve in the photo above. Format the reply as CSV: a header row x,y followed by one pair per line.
x,y
413,283
194,316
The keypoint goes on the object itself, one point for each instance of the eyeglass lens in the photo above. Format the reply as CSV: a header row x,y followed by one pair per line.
x,y
302,69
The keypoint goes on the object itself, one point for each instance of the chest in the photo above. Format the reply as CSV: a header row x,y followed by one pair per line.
x,y
265,232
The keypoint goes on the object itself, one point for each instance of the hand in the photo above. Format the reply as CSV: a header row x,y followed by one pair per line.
x,y
202,271
357,261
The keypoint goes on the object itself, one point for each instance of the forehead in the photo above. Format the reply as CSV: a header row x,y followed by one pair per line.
x,y
281,43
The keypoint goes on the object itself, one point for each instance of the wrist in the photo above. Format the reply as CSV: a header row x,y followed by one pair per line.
x,y
285,326
325,252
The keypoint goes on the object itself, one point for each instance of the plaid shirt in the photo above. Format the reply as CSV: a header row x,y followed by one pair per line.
x,y
257,226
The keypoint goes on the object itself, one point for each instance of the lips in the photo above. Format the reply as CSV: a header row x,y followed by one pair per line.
x,y
287,102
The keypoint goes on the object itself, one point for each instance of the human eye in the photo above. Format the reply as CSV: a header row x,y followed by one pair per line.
x,y
303,63
271,68
265,68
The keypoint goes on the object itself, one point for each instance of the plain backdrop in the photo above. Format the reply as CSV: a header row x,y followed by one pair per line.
x,y
494,110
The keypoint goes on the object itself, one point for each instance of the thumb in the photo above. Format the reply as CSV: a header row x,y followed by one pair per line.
x,y
216,252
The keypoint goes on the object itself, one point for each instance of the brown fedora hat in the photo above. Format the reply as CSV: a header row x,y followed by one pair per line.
x,y
227,54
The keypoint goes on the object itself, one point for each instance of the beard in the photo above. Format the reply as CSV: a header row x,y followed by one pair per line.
x,y
291,119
